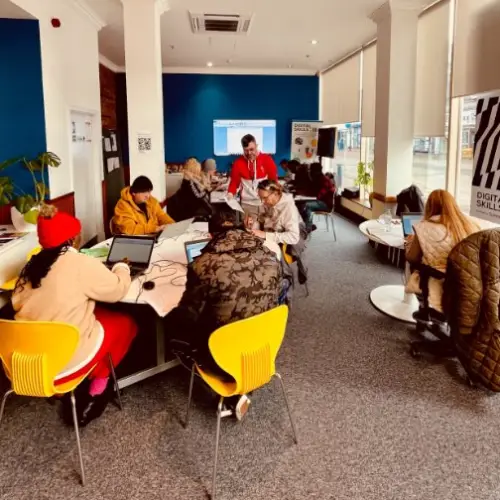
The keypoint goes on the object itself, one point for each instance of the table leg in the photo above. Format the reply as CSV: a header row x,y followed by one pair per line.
x,y
161,364
394,302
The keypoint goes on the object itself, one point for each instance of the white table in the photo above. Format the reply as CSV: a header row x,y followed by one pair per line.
x,y
167,270
305,198
218,197
391,300
13,258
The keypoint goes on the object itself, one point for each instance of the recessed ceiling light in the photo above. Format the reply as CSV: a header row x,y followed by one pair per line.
x,y
210,64
314,42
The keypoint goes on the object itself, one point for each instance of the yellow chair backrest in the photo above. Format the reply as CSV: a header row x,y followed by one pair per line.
x,y
33,353
247,349
10,285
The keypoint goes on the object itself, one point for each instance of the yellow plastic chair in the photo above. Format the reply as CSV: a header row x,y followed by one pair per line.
x,y
247,351
33,353
10,285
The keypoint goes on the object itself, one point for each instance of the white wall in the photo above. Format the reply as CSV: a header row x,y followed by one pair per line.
x,y
70,68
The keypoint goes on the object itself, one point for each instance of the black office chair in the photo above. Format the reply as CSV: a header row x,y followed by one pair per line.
x,y
432,321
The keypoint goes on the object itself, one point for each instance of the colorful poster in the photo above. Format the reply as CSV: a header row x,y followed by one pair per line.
x,y
305,140
485,200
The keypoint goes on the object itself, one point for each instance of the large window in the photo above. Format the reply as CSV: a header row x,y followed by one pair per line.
x,y
429,163
348,153
468,127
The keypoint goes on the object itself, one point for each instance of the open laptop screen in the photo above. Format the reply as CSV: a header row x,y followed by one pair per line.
x,y
136,250
194,248
409,220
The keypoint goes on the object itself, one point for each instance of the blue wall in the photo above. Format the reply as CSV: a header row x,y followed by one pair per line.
x,y
192,102
22,120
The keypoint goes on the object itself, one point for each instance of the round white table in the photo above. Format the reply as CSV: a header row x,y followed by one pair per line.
x,y
391,300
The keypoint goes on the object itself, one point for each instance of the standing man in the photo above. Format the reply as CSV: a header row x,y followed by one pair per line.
x,y
248,170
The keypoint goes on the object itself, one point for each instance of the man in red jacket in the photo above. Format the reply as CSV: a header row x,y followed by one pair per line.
x,y
248,170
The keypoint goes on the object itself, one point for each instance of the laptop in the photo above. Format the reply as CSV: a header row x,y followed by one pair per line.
x,y
194,248
136,249
175,230
409,219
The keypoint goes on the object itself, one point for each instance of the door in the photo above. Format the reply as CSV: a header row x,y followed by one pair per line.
x,y
83,173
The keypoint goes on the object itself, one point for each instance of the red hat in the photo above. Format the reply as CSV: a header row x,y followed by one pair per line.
x,y
55,228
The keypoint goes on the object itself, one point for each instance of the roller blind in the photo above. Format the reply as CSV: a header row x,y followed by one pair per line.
x,y
340,92
476,66
369,91
431,86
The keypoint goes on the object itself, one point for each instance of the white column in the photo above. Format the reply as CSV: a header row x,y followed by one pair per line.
x,y
395,98
143,63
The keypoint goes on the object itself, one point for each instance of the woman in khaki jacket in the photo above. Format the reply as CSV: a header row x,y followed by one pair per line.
x,y
444,225
60,284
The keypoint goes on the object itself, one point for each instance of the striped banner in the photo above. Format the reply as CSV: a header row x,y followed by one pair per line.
x,y
485,200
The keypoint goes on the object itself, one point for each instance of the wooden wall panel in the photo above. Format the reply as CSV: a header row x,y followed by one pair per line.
x,y
108,97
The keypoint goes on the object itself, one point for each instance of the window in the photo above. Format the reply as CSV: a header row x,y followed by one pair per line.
x,y
429,163
348,153
468,128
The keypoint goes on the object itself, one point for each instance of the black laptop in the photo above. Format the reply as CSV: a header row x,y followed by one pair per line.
x,y
136,249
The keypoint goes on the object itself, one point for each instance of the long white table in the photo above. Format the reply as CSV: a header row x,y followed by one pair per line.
x,y
167,270
13,258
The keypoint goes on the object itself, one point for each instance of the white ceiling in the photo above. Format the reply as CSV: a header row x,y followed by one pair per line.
x,y
9,10
280,34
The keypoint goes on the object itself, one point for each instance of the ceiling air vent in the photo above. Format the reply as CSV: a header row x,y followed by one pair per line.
x,y
220,23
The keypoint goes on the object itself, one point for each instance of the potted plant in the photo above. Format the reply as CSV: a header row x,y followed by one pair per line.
x,y
24,212
364,179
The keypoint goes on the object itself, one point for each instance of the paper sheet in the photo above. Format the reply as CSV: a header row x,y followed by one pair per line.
x,y
234,204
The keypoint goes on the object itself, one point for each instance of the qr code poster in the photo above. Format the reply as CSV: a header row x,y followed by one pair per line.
x,y
144,143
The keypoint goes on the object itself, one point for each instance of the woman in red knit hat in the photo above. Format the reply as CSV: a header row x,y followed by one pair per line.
x,y
61,284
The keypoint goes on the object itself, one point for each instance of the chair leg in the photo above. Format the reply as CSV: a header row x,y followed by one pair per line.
x,y
77,433
217,437
332,221
288,408
4,400
191,383
307,289
115,382
326,218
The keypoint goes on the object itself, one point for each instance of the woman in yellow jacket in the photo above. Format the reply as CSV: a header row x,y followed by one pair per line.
x,y
138,212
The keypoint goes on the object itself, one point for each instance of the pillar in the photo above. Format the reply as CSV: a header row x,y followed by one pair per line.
x,y
143,64
395,99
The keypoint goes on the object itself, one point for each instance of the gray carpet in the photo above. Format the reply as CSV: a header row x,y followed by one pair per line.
x,y
373,423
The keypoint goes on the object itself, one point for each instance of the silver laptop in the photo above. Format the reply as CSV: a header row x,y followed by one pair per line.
x,y
175,230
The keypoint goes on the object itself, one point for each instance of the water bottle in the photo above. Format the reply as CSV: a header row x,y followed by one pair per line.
x,y
386,220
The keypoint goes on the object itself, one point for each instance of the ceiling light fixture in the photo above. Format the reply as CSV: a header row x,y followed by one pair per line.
x,y
314,42
210,64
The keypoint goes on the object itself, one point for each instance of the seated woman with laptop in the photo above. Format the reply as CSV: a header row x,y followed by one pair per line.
x,y
60,284
138,212
443,226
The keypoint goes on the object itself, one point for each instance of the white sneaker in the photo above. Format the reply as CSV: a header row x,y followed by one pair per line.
x,y
242,407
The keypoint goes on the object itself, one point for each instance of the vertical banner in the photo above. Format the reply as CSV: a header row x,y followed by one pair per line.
x,y
304,140
485,200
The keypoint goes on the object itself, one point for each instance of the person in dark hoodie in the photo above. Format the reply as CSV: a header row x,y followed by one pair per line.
x,y
234,278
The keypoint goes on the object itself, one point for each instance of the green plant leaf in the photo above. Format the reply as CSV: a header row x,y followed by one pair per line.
x,y
7,163
31,217
24,203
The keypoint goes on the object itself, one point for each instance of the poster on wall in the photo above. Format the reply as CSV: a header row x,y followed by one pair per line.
x,y
485,200
304,140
